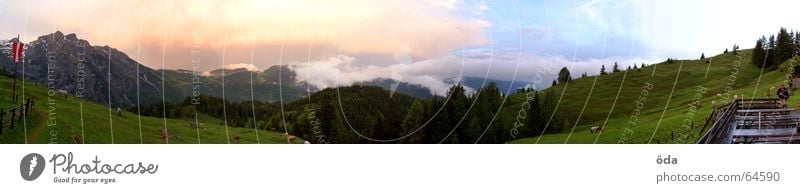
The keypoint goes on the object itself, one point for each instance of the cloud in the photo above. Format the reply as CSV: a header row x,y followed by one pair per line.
x,y
433,73
172,28
340,71
249,67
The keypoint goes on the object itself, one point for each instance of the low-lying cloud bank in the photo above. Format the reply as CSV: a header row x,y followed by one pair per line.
x,y
540,70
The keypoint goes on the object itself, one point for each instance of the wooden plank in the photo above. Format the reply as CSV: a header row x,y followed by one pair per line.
x,y
771,117
729,136
766,126
759,105
775,121
756,100
783,139
764,132
764,111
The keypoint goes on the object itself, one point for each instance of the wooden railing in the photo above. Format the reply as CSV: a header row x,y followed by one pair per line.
x,y
720,131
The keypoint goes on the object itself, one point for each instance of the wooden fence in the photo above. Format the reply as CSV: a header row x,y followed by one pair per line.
x,y
8,118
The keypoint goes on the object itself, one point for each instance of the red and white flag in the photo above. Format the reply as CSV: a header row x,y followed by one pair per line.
x,y
16,50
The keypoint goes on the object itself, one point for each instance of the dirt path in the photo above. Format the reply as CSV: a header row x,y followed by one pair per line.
x,y
37,130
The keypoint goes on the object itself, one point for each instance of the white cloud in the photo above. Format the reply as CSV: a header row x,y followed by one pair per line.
x,y
249,67
432,73
351,27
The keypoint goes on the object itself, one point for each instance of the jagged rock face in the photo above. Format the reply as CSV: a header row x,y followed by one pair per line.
x,y
104,75
100,74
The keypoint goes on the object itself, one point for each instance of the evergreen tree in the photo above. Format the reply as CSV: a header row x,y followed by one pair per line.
x,y
726,51
603,70
564,75
327,116
437,128
494,99
486,104
797,41
770,53
702,56
616,68
414,119
392,121
533,118
552,121
454,110
375,131
759,53
784,48
635,67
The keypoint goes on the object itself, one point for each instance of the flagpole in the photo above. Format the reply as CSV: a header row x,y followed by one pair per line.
x,y
14,88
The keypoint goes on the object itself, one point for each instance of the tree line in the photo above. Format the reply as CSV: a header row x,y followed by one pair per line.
x,y
778,48
368,114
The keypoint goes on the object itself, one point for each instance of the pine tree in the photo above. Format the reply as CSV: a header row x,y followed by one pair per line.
x,y
616,68
552,121
759,53
534,117
603,70
635,67
327,116
703,56
784,48
486,105
564,75
726,51
437,128
770,53
374,131
392,121
797,42
454,110
414,119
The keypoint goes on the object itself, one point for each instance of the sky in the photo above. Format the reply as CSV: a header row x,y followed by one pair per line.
x,y
332,43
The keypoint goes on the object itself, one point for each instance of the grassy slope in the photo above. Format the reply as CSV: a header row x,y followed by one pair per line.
x,y
97,124
692,77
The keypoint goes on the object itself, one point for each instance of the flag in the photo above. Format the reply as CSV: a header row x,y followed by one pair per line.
x,y
16,51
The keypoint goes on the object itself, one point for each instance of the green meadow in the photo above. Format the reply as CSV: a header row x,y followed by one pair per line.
x,y
667,102
56,119
677,100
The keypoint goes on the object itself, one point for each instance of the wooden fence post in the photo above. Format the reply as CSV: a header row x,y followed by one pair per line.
x,y
13,111
1,120
21,112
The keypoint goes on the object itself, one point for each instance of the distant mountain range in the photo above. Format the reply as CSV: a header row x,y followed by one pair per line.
x,y
111,79
505,86
108,76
